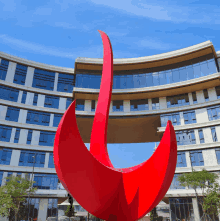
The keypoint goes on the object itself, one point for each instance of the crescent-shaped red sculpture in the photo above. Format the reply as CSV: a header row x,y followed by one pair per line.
x,y
111,194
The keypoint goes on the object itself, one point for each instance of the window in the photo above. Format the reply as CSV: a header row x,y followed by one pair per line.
x,y
155,103
117,105
181,159
24,95
17,134
51,101
35,99
34,207
1,176
29,136
56,119
214,136
178,100
217,89
68,102
52,207
37,117
174,118
80,105
185,137
139,105
46,138
65,82
214,113
45,181
201,136
28,158
20,74
217,151
206,95
196,158
51,163
5,156
3,69
189,117
175,183
12,114
5,133
89,81
43,79
93,105
7,93
194,98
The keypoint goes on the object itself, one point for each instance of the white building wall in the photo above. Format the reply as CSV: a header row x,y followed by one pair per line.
x,y
209,157
46,160
163,102
22,116
13,131
29,77
62,103
3,111
190,98
150,104
200,96
212,94
15,157
207,135
51,120
11,72
88,105
181,119
55,81
201,115
23,136
35,137
20,96
40,100
126,104
29,98
42,214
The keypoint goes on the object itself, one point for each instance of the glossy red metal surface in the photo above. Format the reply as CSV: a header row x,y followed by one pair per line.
x,y
109,193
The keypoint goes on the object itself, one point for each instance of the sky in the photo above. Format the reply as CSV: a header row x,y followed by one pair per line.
x,y
56,32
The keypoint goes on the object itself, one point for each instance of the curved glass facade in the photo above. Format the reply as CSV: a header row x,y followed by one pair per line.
x,y
150,79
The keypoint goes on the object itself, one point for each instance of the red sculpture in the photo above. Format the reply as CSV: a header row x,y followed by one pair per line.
x,y
111,194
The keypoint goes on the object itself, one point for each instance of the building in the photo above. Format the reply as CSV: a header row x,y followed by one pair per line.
x,y
182,86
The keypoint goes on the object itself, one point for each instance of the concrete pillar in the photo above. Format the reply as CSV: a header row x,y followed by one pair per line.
x,y
188,160
196,132
55,81
3,111
111,106
35,137
13,131
126,104
29,77
212,94
51,120
62,103
20,96
201,115
200,96
163,102
207,135
29,98
22,116
42,212
5,174
195,209
217,129
209,157
88,105
190,98
23,136
11,72
46,160
15,157
181,119
40,100
150,103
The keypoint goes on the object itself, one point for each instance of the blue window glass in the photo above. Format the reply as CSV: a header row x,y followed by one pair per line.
x,y
206,95
93,105
24,96
217,151
20,74
46,138
68,102
185,137
3,69
196,158
17,135
155,103
217,89
80,104
52,209
214,135
178,100
117,106
29,136
51,101
28,158
56,120
189,117
139,105
181,159
175,183
12,114
1,177
45,181
201,136
194,97
174,118
51,163
37,117
65,82
5,156
35,99
43,79
8,93
5,133
214,113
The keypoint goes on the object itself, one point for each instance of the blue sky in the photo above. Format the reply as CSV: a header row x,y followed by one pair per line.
x,y
58,31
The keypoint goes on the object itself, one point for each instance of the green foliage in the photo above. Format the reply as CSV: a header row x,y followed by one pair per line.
x,y
70,211
154,216
13,194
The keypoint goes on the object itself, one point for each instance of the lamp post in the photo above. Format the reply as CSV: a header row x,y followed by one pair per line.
x,y
30,187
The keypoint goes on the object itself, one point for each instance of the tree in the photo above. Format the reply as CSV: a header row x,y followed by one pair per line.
x,y
154,216
207,182
12,195
70,211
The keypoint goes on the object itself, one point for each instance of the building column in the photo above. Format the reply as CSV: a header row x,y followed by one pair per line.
x,y
22,116
55,81
42,212
62,103
190,98
15,158
181,119
3,111
47,155
29,77
29,98
188,160
201,115
40,100
20,96
126,104
212,94
195,209
88,105
12,135
209,157
197,136
5,174
35,137
11,72
150,103
163,102
23,136
51,120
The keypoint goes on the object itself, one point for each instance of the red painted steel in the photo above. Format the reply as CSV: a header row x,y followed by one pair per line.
x,y
112,194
